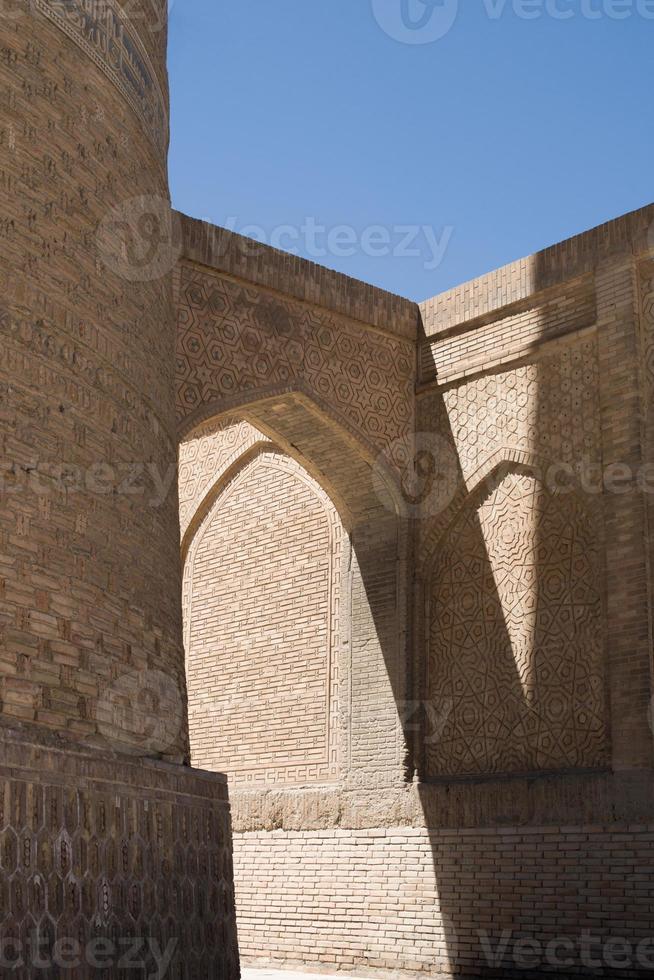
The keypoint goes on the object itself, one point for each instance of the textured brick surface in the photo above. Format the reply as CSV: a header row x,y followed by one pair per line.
x,y
262,591
336,396
531,651
90,580
237,342
294,277
434,902
430,683
100,847
94,844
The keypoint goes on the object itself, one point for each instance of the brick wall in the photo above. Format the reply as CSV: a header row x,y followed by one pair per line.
x,y
536,372
303,370
204,459
435,902
101,850
95,842
89,566
518,798
262,589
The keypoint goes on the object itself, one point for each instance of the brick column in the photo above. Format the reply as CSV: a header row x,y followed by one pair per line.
x,y
378,642
627,586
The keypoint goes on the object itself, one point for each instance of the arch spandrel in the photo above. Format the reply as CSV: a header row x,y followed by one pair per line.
x,y
238,343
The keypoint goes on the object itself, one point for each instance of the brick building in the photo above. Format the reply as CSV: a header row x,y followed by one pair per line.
x,y
403,610
430,690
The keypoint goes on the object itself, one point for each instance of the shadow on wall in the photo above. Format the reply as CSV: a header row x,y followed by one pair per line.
x,y
371,577
510,661
516,671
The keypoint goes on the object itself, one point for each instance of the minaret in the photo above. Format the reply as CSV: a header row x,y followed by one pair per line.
x,y
104,833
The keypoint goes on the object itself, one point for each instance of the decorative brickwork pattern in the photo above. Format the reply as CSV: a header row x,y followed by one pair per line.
x,y
205,456
105,29
290,275
236,343
373,843
374,636
513,665
549,408
123,849
516,651
94,843
261,604
89,562
516,657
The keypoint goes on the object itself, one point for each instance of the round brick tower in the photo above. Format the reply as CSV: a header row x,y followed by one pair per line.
x,y
99,819
89,600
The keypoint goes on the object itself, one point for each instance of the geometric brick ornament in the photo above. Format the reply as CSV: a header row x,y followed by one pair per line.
x,y
516,651
236,342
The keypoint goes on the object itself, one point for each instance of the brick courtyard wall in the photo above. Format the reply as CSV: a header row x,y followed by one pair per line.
x,y
554,413
518,823
450,902
275,351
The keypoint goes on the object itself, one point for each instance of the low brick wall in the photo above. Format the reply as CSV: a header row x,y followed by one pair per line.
x,y
110,862
576,901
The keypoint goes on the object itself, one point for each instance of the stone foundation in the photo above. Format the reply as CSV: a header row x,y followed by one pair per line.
x,y
111,861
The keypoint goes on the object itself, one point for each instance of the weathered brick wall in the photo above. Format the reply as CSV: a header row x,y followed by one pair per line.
x,y
95,842
526,691
262,598
106,860
451,902
89,568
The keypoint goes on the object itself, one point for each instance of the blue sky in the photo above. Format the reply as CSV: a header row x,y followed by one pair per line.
x,y
343,130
